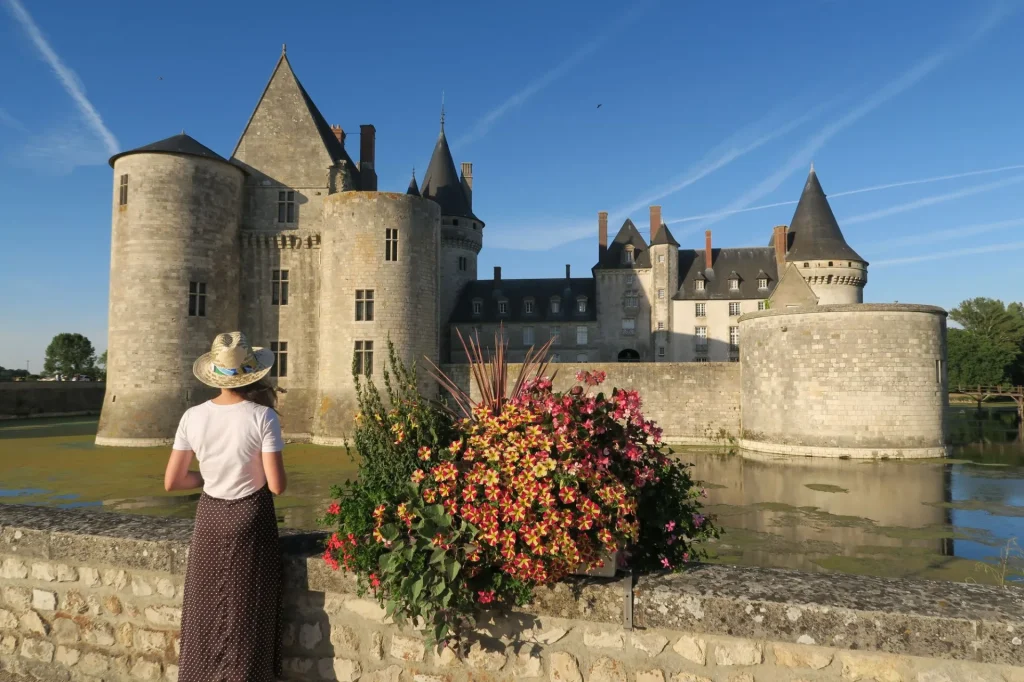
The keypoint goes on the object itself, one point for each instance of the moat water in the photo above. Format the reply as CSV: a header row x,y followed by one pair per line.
x,y
955,519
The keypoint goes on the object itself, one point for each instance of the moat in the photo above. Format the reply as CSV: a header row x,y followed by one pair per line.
x,y
951,519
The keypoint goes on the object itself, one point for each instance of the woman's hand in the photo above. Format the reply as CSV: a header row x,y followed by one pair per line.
x,y
177,476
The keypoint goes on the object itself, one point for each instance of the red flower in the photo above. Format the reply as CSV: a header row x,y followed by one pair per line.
x,y
334,509
374,580
485,596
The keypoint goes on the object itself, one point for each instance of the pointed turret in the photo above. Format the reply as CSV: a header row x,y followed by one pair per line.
x,y
442,184
414,189
815,234
664,236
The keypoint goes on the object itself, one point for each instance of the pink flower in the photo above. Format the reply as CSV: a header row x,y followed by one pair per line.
x,y
665,562
485,596
670,526
698,520
686,557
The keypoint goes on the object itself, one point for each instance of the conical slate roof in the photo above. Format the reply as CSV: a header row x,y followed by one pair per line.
x,y
413,187
176,144
664,236
815,232
441,183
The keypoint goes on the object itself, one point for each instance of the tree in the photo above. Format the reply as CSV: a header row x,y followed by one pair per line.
x,y
975,360
69,355
101,365
993,320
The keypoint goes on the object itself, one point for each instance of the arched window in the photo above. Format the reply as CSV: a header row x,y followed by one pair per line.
x,y
629,355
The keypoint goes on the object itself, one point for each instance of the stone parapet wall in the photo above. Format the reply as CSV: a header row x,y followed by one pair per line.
x,y
87,595
50,398
694,403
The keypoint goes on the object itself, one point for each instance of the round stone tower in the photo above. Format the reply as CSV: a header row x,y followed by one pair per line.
x,y
462,234
816,246
385,248
174,263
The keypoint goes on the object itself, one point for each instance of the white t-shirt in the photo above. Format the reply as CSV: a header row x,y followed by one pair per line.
x,y
229,441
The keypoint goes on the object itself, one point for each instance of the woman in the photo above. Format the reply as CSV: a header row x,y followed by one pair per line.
x,y
233,582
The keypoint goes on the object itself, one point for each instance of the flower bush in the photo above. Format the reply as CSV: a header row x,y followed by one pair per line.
x,y
511,491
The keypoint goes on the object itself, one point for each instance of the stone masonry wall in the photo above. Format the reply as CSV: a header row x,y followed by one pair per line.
x,y
694,403
50,398
845,380
88,596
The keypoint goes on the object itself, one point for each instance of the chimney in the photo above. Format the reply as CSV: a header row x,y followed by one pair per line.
x,y
655,221
567,275
367,153
339,133
780,239
707,250
467,182
602,235
497,273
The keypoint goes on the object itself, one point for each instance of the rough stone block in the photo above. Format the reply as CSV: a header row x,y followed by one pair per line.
x,y
692,649
74,602
527,662
8,621
44,571
146,670
18,598
607,670
114,578
44,600
90,577
65,631
66,574
67,657
742,677
857,666
392,673
739,652
602,639
171,672
141,587
31,622
364,608
427,678
310,635
297,667
650,676
342,669
486,656
163,615
652,644
689,677
407,648
124,634
113,605
445,657
165,587
344,638
802,656
13,569
564,668
37,650
99,633
549,636
8,643
376,646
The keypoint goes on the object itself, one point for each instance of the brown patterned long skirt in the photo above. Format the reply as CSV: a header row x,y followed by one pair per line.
x,y
229,622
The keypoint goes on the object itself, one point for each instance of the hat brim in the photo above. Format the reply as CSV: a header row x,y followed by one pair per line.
x,y
203,369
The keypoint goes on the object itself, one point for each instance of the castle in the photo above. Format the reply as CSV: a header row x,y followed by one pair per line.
x,y
290,240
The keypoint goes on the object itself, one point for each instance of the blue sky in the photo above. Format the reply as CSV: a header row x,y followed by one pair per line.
x,y
705,107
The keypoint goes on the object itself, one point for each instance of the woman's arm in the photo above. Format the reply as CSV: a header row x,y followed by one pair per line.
x,y
177,476
273,467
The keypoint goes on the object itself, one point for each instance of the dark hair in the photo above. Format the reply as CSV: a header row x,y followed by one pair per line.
x,y
260,392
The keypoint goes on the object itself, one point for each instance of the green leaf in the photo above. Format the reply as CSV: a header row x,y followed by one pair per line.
x,y
410,552
439,631
437,556
452,570
438,588
446,597
389,531
390,609
417,588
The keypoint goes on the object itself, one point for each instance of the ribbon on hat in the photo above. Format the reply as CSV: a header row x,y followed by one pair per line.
x,y
228,372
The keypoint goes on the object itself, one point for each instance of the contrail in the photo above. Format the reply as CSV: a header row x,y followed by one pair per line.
x,y
928,201
483,126
888,91
65,75
1010,246
873,188
945,235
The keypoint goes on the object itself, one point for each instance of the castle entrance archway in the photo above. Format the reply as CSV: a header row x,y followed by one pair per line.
x,y
629,355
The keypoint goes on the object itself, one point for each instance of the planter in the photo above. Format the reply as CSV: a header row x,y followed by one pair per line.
x,y
611,562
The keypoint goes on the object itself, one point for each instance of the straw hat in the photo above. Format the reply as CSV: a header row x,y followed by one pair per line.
x,y
232,362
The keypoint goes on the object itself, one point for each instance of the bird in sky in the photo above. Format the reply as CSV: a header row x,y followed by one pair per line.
x,y
598,106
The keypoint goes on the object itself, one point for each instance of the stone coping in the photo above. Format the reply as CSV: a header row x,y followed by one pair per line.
x,y
852,452
847,308
922,618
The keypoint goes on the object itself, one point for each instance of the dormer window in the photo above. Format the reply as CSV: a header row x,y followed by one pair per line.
x,y
528,306
478,306
503,307
627,256
698,285
581,304
762,283
734,285
556,305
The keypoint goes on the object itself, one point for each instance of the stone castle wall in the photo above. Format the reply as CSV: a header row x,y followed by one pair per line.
x,y
87,595
845,380
50,398
694,403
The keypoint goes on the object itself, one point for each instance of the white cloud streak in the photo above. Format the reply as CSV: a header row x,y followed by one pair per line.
x,y
1010,246
484,125
68,80
873,188
892,89
944,235
929,201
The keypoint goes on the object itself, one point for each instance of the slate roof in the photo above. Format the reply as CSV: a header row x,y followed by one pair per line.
x,y
516,291
176,144
413,187
664,236
815,234
441,183
746,263
628,234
